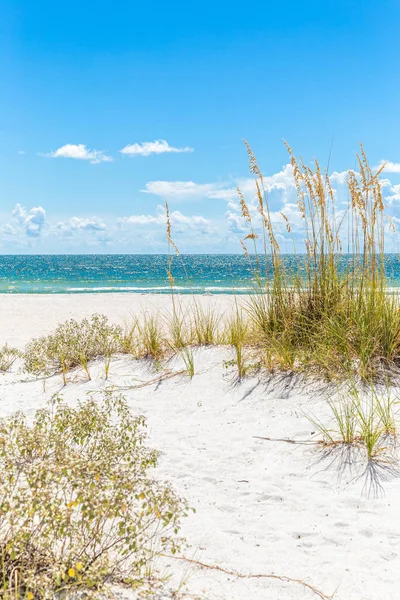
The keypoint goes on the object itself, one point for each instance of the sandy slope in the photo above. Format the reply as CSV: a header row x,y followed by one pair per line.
x,y
262,507
24,316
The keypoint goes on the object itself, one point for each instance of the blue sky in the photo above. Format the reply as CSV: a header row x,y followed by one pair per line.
x,y
177,86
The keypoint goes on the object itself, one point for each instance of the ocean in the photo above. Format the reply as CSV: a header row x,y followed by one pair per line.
x,y
147,273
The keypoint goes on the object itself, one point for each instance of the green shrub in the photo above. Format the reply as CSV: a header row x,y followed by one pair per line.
x,y
77,505
8,356
73,344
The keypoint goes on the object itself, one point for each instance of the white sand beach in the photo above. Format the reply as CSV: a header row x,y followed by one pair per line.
x,y
262,507
26,316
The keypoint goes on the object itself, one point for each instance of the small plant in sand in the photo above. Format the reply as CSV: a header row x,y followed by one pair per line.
x,y
78,507
150,336
367,421
178,327
236,334
188,359
8,356
130,338
205,325
73,344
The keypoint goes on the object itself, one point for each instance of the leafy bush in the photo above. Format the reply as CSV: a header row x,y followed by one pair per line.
x,y
73,343
77,506
8,356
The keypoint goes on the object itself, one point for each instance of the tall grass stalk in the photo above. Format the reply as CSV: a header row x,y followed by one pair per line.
x,y
188,359
236,333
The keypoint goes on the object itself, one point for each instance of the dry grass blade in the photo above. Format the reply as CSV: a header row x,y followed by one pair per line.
x,y
239,575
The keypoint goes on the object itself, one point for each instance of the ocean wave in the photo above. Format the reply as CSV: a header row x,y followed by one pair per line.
x,y
159,288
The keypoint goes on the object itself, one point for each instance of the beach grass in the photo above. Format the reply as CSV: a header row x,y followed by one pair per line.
x,y
338,319
365,419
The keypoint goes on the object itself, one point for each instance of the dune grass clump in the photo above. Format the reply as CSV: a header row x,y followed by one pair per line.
x,y
205,323
150,336
178,334
366,421
236,334
73,344
333,311
8,356
78,505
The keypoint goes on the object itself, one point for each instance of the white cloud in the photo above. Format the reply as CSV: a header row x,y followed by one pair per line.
x,y
29,223
188,189
19,213
80,152
390,167
35,221
394,194
21,152
156,147
84,231
181,190
81,224
339,178
180,223
8,229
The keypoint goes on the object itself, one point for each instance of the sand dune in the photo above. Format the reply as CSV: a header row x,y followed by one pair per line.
x,y
262,507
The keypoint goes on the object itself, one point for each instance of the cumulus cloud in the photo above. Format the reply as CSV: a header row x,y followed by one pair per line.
x,y
156,147
181,190
8,229
19,213
390,167
179,222
83,231
80,152
393,194
339,178
29,223
35,221
81,224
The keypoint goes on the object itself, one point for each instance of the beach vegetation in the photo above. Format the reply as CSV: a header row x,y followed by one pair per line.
x,y
188,358
179,334
8,356
205,325
366,419
73,344
150,336
79,508
333,311
236,334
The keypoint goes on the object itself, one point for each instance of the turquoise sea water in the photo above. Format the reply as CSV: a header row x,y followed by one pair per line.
x,y
73,274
